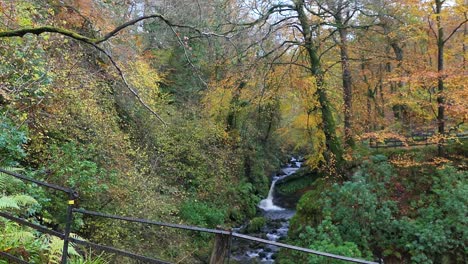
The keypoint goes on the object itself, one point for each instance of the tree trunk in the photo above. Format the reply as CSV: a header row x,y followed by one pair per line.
x,y
465,48
333,153
347,85
440,77
369,96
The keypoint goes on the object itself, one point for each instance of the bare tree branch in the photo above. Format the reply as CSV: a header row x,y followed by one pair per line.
x,y
455,30
127,85
95,41
431,28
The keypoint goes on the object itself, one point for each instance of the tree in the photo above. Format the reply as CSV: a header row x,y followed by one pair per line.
x,y
442,38
94,42
333,146
341,13
296,38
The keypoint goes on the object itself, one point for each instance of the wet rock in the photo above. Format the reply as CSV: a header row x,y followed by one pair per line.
x,y
276,225
280,173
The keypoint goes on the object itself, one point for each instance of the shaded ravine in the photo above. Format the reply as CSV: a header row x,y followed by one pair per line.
x,y
276,227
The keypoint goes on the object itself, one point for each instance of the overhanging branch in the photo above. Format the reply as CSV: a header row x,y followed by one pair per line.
x,y
127,85
95,41
46,29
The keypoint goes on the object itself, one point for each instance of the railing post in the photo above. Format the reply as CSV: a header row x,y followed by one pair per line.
x,y
72,195
220,248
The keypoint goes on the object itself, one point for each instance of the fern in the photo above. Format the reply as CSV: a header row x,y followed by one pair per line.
x,y
24,200
21,236
55,250
7,180
15,202
8,202
15,235
91,259
55,247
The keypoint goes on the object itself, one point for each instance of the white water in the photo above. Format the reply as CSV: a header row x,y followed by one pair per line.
x,y
275,214
267,204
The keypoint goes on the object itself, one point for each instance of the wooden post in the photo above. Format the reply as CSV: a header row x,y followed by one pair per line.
x,y
220,249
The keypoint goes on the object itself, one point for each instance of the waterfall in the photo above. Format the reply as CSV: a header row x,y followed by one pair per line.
x,y
277,224
267,204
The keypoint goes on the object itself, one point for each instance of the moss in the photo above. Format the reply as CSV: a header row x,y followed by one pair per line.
x,y
309,209
256,224
235,215
296,182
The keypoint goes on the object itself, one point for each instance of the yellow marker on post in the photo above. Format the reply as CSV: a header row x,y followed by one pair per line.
x,y
71,202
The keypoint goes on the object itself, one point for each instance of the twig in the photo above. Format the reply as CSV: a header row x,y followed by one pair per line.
x,y
127,85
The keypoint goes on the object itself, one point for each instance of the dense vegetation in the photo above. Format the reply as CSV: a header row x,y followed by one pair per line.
x,y
183,116
415,214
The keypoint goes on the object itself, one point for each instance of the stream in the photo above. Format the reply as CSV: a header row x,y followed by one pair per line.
x,y
277,224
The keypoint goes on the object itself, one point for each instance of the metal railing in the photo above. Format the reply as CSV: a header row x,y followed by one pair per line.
x,y
416,139
221,250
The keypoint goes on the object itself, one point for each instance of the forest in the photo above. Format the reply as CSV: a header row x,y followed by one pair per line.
x,y
348,118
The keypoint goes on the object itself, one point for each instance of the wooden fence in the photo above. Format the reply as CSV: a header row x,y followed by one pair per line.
x,y
416,139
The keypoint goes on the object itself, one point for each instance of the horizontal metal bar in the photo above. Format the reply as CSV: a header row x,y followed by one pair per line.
x,y
306,250
85,243
117,251
145,221
40,228
4,255
224,232
45,184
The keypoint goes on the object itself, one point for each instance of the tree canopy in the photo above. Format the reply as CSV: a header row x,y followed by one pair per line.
x,y
182,110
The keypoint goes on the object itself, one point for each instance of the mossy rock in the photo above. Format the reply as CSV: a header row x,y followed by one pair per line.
x,y
289,190
235,214
256,224
309,208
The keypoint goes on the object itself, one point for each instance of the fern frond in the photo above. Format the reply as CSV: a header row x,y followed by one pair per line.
x,y
3,180
14,235
55,249
71,249
24,200
21,236
8,202
6,179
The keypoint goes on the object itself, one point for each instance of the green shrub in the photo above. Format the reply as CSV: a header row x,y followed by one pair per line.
x,y
248,199
11,142
326,237
202,214
440,228
367,212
